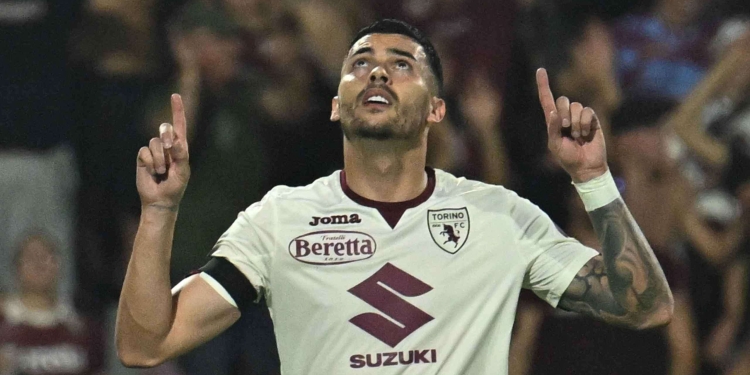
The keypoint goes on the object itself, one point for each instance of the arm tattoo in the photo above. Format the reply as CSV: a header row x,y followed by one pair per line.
x,y
625,285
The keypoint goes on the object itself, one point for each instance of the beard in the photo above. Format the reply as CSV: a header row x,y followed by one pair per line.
x,y
360,129
404,125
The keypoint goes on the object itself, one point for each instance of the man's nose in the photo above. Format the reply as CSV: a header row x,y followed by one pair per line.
x,y
379,74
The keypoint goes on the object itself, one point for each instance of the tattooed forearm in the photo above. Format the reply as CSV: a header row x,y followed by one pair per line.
x,y
624,285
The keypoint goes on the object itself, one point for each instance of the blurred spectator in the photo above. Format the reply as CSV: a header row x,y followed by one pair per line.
x,y
588,76
702,137
474,36
115,59
326,29
473,39
534,177
578,51
737,285
37,171
295,106
479,108
227,155
658,197
570,344
737,361
655,192
663,52
293,102
718,276
40,333
713,140
714,117
230,166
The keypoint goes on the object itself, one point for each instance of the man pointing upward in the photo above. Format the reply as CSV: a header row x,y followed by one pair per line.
x,y
413,302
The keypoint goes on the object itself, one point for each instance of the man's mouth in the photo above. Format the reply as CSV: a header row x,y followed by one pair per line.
x,y
377,98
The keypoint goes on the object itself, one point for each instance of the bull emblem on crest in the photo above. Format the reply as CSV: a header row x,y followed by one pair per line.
x,y
449,225
452,237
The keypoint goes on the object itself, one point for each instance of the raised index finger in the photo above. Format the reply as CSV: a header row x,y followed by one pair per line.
x,y
545,93
178,118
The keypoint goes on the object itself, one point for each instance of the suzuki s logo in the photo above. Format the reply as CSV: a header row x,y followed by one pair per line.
x,y
408,318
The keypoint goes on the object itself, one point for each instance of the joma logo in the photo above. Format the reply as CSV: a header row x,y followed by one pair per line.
x,y
335,219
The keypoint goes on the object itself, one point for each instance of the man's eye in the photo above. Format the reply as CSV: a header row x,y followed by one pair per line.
x,y
360,63
402,64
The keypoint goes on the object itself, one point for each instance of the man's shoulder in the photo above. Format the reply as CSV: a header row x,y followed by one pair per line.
x,y
450,185
324,190
491,198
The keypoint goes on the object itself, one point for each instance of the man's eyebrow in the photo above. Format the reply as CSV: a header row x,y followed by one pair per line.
x,y
362,50
399,52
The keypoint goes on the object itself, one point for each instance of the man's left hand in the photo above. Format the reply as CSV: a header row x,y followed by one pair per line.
x,y
574,134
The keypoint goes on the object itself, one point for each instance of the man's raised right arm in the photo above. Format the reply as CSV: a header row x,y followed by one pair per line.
x,y
152,325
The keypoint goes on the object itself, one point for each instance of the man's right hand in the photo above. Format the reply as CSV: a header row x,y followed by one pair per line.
x,y
163,170
154,326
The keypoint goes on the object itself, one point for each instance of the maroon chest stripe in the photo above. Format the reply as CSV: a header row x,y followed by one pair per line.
x,y
391,211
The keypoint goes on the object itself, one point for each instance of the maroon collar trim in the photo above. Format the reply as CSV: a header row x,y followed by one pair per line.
x,y
391,211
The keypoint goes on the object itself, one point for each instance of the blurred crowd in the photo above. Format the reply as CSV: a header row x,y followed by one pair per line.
x,y
85,83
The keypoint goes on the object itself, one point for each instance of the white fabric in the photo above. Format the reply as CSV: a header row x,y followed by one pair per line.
x,y
210,281
15,313
182,284
472,293
218,288
598,192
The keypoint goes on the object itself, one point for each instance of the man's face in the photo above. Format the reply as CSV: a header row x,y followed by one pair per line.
x,y
218,55
38,267
386,90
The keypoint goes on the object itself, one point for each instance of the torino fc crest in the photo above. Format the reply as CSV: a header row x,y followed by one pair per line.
x,y
449,228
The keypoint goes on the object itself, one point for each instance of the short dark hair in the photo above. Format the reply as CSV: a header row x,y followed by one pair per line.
x,y
393,26
637,113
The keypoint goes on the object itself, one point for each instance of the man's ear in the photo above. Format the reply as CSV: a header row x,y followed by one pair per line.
x,y
437,110
335,109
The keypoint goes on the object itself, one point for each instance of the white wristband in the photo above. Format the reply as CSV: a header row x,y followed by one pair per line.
x,y
598,192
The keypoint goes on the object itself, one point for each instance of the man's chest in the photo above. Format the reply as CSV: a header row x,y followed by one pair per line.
x,y
440,253
367,293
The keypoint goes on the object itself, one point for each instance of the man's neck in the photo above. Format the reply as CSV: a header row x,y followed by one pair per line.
x,y
377,171
38,301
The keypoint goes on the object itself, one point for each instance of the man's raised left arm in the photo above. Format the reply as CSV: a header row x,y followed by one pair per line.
x,y
625,285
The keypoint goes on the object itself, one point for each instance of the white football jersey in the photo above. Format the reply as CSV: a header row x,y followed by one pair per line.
x,y
434,294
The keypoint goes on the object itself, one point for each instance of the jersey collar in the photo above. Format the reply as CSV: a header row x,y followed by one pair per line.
x,y
391,211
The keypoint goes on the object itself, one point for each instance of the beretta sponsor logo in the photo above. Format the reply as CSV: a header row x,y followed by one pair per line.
x,y
332,247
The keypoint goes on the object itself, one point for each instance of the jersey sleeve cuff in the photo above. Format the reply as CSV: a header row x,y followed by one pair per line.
x,y
210,281
218,288
568,274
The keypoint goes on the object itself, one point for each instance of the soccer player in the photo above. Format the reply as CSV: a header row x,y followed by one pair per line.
x,y
388,266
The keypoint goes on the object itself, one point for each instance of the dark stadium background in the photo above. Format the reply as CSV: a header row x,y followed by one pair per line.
x,y
85,83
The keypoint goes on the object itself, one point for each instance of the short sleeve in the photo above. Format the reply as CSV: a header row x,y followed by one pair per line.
x,y
248,244
553,259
